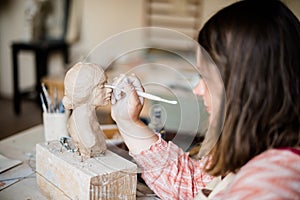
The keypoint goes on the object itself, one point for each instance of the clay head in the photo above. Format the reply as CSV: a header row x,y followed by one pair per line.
x,y
84,84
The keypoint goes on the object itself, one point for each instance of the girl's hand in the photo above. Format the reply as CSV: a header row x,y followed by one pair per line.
x,y
126,104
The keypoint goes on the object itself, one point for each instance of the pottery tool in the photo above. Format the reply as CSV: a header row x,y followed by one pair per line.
x,y
145,95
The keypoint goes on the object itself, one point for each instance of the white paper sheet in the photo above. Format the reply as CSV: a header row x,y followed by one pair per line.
x,y
6,163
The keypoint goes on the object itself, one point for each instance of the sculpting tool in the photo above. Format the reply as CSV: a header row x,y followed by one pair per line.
x,y
145,95
56,105
43,103
48,99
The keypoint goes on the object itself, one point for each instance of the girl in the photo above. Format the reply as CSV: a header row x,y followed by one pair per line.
x,y
256,45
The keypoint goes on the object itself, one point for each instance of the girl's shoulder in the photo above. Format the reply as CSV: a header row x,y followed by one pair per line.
x,y
274,173
281,162
275,156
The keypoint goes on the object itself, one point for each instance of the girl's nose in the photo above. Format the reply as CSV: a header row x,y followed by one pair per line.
x,y
199,89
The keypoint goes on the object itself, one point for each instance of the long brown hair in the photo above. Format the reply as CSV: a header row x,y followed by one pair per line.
x,y
256,45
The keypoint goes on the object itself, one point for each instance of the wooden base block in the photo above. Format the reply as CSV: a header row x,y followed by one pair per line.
x,y
60,172
49,190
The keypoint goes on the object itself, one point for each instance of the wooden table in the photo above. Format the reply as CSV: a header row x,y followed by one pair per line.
x,y
22,147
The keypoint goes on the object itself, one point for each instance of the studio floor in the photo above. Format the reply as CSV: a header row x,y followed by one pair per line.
x,y
10,123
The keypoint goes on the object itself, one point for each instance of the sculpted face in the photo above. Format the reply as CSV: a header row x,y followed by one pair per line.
x,y
102,95
84,84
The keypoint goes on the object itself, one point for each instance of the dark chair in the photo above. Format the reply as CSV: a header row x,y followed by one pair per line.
x,y
42,49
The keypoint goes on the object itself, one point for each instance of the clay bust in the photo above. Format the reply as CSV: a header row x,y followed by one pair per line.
x,y
84,93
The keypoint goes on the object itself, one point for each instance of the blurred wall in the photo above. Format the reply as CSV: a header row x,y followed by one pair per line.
x,y
100,20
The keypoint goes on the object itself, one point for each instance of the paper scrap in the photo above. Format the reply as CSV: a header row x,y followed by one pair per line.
x,y
6,163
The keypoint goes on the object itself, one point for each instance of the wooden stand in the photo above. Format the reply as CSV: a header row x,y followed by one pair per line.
x,y
63,174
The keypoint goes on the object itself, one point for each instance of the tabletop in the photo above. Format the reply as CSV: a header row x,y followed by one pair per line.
x,y
22,147
22,177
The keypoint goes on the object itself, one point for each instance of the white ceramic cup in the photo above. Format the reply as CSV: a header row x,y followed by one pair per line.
x,y
55,125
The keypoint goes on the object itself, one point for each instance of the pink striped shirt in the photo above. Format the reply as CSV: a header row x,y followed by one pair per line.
x,y
274,174
172,174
